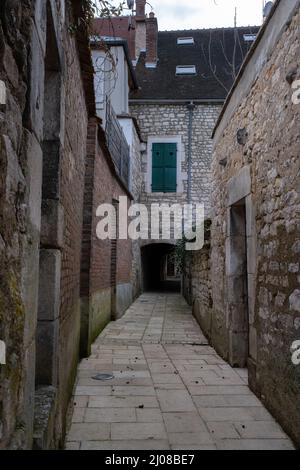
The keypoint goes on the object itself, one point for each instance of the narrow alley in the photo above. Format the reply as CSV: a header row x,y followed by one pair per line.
x,y
170,390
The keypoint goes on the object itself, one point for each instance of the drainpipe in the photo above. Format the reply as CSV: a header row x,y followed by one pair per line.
x,y
190,107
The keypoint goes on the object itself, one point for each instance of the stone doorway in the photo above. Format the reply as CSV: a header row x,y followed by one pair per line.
x,y
237,286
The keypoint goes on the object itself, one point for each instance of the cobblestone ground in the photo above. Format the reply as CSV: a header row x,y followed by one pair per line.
x,y
170,389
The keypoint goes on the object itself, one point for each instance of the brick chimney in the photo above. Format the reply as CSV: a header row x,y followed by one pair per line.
x,y
140,9
151,40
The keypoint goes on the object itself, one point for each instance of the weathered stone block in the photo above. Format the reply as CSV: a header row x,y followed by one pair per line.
x,y
238,348
235,263
40,19
34,179
253,343
294,300
51,169
52,229
36,104
44,417
239,186
47,352
251,255
49,285
250,217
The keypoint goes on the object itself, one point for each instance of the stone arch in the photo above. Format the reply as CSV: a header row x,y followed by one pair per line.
x,y
157,262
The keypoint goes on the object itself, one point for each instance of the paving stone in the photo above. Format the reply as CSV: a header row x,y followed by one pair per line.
x,y
80,401
128,390
137,431
255,444
225,414
150,444
183,422
175,400
194,447
89,431
197,438
72,446
149,415
222,430
260,429
110,415
166,392
78,415
220,390
92,390
117,402
226,400
166,378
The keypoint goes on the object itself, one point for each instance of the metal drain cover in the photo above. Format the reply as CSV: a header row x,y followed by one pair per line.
x,y
103,377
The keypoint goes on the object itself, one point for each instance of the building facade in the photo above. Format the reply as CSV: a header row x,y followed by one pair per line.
x,y
183,77
256,221
59,283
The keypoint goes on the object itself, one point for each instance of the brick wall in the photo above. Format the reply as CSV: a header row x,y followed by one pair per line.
x,y
71,198
265,166
97,277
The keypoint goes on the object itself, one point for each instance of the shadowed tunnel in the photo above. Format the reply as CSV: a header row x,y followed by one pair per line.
x,y
159,272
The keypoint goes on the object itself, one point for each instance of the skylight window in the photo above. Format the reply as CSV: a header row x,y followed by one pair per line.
x,y
186,70
187,40
249,37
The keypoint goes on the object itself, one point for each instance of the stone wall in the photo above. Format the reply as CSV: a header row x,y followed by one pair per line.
x,y
43,145
99,283
161,120
256,220
20,153
196,286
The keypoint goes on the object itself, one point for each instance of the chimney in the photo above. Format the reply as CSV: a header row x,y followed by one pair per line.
x,y
151,41
140,8
267,9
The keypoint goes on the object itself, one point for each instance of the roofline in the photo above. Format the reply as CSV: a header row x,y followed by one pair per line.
x,y
207,29
245,63
135,123
185,101
122,42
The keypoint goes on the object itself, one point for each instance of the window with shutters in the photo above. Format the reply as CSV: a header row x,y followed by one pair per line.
x,y
164,167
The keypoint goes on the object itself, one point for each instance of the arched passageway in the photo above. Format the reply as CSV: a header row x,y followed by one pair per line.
x,y
159,270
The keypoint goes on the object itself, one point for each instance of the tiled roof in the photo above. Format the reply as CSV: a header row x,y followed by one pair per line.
x,y
216,53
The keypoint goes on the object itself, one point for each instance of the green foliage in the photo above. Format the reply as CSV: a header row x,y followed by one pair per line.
x,y
181,255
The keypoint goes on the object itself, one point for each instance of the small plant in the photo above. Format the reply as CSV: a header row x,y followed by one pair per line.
x,y
180,255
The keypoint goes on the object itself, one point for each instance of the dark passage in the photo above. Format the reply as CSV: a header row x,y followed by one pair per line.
x,y
159,271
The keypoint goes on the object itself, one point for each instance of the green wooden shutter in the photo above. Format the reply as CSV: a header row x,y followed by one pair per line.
x,y
170,168
164,167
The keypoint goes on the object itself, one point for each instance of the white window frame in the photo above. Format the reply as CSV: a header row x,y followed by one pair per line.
x,y
180,176
186,70
185,40
249,37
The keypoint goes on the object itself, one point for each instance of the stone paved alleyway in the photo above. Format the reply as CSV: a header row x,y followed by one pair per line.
x,y
170,389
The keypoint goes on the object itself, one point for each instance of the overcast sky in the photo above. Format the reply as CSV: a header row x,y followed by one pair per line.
x,y
193,14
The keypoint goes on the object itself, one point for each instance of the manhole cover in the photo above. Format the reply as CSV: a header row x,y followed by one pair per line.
x,y
103,377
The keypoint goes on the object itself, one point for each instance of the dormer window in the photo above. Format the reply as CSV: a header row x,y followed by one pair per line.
x,y
185,40
249,37
186,70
